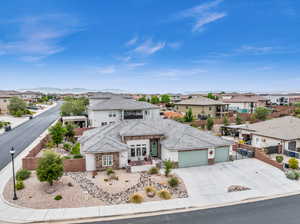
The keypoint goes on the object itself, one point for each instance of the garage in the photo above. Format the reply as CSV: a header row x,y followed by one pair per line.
x,y
222,154
192,158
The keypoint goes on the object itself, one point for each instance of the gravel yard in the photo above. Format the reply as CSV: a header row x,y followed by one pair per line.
x,y
87,191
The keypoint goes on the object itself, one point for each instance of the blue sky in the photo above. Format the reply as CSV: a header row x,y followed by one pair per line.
x,y
151,45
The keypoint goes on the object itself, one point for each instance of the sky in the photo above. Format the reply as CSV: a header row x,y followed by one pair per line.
x,y
151,45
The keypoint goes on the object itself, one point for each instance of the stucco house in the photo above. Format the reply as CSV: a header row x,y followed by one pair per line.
x,y
4,102
283,131
142,142
106,109
246,103
203,107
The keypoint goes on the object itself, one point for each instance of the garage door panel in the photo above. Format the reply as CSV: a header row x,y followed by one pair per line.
x,y
193,158
222,154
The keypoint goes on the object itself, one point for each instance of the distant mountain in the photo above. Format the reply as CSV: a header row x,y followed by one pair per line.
x,y
71,90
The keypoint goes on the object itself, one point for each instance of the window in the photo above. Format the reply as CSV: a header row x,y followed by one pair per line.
x,y
132,149
112,122
112,114
138,150
103,123
144,149
209,108
107,160
187,107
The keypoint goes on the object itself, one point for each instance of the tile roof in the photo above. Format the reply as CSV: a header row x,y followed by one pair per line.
x,y
287,128
177,136
200,101
121,103
244,99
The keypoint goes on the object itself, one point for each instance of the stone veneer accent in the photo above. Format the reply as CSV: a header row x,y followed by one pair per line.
x,y
211,161
98,158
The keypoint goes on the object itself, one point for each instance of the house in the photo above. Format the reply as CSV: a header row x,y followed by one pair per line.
x,y
283,131
244,103
140,142
283,99
4,102
203,107
31,96
110,108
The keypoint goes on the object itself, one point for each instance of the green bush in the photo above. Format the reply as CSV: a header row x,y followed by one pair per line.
x,y
279,159
50,144
23,174
77,156
136,198
292,175
109,171
153,170
58,197
76,149
67,157
164,194
173,182
293,163
20,185
168,167
67,146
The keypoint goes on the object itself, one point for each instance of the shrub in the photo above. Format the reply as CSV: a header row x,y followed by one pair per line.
x,y
153,170
20,185
76,149
105,179
173,182
50,167
67,146
58,197
279,159
291,175
293,163
23,174
150,191
109,171
168,167
50,144
77,156
136,198
67,157
164,194
209,123
114,177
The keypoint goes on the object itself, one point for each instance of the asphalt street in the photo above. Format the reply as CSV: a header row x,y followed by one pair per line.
x,y
275,211
25,134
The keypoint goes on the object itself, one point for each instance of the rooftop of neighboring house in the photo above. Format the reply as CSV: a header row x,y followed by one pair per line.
x,y
119,102
244,99
200,101
286,128
175,136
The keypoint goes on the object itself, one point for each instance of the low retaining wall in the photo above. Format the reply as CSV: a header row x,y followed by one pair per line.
x,y
260,155
74,165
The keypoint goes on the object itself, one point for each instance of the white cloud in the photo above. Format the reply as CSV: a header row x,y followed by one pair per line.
x,y
107,70
39,37
203,14
135,65
206,19
149,47
132,41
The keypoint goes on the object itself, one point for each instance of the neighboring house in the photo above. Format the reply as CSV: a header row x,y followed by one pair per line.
x,y
284,131
110,108
31,96
140,142
283,99
203,107
4,102
244,103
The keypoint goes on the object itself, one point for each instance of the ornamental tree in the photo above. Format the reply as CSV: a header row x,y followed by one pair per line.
x,y
57,133
50,167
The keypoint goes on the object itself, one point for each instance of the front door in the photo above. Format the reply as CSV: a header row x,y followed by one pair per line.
x,y
154,147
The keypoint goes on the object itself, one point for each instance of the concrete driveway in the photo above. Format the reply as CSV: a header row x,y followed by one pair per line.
x,y
207,185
